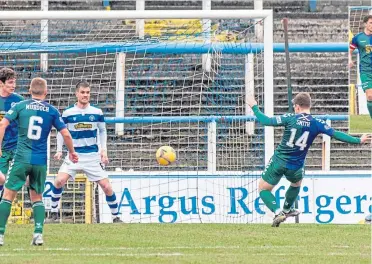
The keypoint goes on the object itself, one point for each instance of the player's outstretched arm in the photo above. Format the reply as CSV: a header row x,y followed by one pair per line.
x,y
261,117
58,155
344,137
103,141
353,45
70,145
3,125
351,50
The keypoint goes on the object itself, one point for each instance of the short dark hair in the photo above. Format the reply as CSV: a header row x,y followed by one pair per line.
x,y
82,83
366,18
6,74
303,100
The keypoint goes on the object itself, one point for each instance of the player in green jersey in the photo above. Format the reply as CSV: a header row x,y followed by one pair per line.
x,y
35,119
300,130
363,42
7,99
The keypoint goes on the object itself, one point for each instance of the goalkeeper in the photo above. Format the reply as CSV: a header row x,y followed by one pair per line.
x,y
288,160
362,42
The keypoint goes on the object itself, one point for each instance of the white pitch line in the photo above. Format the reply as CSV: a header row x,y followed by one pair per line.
x,y
312,254
122,248
42,249
340,246
159,248
177,254
100,254
165,248
347,254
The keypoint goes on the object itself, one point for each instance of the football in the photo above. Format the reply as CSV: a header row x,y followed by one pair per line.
x,y
166,155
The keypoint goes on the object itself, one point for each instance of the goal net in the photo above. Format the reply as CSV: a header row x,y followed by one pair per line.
x,y
159,81
356,25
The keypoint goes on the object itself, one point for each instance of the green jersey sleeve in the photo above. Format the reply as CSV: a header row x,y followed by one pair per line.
x,y
271,121
21,98
12,114
341,136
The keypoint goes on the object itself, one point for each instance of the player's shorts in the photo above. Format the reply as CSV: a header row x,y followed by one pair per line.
x,y
5,159
274,172
90,165
366,80
18,172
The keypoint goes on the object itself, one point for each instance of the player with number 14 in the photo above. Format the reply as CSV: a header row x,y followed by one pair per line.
x,y
300,130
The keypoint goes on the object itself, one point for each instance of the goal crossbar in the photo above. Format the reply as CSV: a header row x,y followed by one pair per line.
x,y
145,14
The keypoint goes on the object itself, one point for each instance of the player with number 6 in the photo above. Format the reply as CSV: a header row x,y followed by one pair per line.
x,y
35,119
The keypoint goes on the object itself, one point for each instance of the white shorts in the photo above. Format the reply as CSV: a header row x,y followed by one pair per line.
x,y
90,165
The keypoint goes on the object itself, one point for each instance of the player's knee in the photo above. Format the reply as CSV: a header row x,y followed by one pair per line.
x,y
369,97
61,180
263,185
9,194
2,179
35,197
27,183
296,184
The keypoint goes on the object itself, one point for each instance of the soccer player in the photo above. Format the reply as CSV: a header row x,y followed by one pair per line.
x,y
362,42
7,99
35,119
87,127
289,157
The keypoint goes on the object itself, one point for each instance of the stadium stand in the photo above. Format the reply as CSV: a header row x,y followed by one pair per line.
x,y
324,75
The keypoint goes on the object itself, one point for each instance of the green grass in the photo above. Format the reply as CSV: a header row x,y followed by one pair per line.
x,y
360,124
190,243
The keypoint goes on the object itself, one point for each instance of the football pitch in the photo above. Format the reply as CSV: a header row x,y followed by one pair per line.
x,y
360,124
190,243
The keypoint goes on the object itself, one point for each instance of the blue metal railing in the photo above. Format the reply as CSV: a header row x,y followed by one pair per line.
x,y
207,119
165,47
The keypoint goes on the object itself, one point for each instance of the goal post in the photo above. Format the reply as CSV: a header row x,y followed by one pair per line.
x,y
160,85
